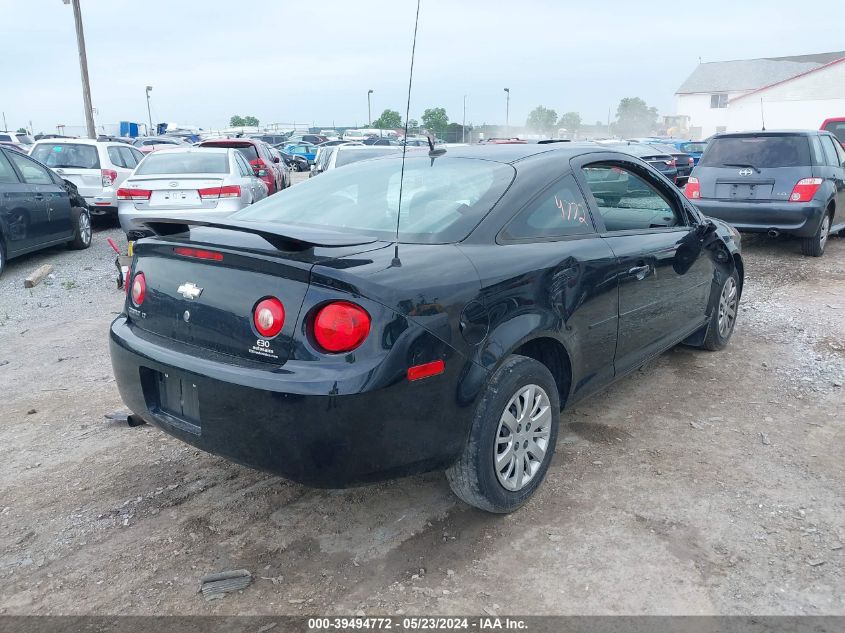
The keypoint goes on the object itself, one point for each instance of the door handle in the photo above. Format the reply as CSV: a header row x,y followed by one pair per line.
x,y
640,272
39,197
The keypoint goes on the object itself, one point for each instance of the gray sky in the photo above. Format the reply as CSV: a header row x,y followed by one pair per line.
x,y
312,61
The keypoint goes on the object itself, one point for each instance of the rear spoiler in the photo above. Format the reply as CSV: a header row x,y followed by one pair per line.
x,y
284,237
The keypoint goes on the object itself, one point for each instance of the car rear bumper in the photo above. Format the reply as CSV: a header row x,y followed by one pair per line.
x,y
288,421
792,218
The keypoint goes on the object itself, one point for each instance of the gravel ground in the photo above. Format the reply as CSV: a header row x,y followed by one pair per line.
x,y
705,483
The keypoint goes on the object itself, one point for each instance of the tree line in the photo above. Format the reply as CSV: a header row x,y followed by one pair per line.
x,y
634,117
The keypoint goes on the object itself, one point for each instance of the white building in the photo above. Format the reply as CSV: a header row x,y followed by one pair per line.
x,y
780,92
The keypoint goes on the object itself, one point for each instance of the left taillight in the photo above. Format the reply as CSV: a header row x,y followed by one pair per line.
x,y
139,289
805,189
692,190
109,176
125,193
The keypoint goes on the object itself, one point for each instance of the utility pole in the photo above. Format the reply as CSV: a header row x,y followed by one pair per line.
x,y
369,112
83,68
150,130
508,110
464,124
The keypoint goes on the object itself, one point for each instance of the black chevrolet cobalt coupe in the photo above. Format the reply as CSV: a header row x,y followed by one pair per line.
x,y
300,336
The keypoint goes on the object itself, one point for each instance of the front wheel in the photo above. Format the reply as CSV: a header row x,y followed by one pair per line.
x,y
723,315
512,439
814,246
82,229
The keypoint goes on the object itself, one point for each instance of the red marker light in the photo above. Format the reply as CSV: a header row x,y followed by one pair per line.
x,y
426,370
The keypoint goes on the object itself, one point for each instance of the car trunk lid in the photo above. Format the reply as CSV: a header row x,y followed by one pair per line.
x,y
205,296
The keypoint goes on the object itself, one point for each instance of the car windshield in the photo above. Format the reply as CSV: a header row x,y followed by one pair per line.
x,y
638,150
442,199
26,139
67,155
347,156
168,162
757,151
696,148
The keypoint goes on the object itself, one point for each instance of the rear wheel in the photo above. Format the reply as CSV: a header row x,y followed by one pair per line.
x,y
814,246
512,439
82,229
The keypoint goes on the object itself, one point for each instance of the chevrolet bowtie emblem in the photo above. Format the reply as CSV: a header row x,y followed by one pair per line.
x,y
189,290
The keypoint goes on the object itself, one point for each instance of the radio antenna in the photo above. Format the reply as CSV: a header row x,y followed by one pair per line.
x,y
396,261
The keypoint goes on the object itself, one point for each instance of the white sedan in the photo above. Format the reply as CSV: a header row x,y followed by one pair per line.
x,y
176,182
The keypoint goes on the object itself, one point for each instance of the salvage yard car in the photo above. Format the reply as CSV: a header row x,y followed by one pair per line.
x,y
774,182
210,181
336,335
37,208
97,168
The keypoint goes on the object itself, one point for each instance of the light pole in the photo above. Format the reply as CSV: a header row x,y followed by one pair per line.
x,y
83,67
464,123
149,114
507,108
369,112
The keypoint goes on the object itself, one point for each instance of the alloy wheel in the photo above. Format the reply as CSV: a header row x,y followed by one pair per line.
x,y
824,231
85,228
727,307
522,438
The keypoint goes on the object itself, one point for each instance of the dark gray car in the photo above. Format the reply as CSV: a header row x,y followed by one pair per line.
x,y
784,181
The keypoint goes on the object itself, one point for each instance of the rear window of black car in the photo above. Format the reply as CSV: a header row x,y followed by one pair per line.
x,y
67,155
347,156
184,163
442,199
757,151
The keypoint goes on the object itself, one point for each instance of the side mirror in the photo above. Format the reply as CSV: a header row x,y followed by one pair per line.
x,y
705,228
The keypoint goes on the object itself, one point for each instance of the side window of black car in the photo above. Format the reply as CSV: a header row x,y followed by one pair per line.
x,y
7,174
32,172
627,201
559,211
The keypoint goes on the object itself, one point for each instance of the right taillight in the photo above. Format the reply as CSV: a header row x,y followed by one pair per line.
x,y
139,289
108,177
692,190
227,191
133,194
341,326
805,189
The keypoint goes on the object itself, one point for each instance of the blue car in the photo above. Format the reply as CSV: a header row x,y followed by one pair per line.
x,y
306,150
693,148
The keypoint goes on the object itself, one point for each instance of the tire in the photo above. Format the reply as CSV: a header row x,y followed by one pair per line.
x,y
723,314
814,246
474,477
82,231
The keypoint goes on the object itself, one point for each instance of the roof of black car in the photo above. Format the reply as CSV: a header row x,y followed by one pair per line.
x,y
512,153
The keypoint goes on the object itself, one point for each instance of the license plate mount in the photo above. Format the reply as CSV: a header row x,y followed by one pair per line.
x,y
178,400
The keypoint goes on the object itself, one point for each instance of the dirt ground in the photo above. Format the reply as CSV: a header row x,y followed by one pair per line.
x,y
705,483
